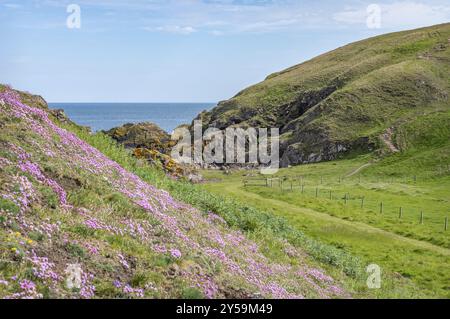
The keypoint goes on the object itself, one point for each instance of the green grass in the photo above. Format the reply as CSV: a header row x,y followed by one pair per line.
x,y
400,246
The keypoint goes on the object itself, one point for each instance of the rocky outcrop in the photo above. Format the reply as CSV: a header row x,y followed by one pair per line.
x,y
152,144
313,151
142,135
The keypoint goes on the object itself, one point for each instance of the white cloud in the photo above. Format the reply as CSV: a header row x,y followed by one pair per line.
x,y
267,26
399,15
176,29
12,5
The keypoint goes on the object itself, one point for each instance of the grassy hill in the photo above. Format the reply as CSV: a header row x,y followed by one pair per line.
x,y
64,204
362,97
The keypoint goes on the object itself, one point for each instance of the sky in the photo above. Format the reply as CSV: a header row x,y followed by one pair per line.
x,y
181,50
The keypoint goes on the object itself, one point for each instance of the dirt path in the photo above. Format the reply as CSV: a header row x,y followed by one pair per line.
x,y
386,137
356,171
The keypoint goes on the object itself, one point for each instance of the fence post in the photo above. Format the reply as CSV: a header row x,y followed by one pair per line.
x,y
291,187
400,213
303,188
362,202
421,217
345,199
381,208
330,196
446,223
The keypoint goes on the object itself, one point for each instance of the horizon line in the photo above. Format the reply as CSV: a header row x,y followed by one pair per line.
x,y
131,102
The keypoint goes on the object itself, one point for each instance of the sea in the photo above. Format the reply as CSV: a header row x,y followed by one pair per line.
x,y
104,116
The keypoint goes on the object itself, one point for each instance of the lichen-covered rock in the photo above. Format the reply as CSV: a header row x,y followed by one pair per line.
x,y
142,135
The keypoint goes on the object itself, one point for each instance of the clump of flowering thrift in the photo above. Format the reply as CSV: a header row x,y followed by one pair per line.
x,y
43,269
123,261
28,291
128,290
175,253
87,290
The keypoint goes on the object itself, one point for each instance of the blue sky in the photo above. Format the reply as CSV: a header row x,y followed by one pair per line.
x,y
180,50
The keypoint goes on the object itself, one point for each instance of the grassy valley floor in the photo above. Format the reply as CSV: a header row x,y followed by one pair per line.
x,y
404,235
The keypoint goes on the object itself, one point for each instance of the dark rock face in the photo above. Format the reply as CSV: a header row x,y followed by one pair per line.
x,y
317,151
307,100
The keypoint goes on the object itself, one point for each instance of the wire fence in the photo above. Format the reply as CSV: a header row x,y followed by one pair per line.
x,y
327,189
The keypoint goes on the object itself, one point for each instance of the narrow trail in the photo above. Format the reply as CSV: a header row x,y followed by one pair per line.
x,y
386,137
356,171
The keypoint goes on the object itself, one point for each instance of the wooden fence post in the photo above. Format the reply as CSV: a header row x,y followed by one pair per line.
x,y
317,192
362,202
381,208
400,213
421,217
330,196
446,223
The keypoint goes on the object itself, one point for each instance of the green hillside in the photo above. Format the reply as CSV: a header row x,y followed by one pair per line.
x,y
361,97
65,206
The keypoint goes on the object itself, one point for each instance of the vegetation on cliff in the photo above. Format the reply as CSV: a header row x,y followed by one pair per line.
x,y
346,100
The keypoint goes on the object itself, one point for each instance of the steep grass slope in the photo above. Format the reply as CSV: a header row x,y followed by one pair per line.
x,y
64,205
347,99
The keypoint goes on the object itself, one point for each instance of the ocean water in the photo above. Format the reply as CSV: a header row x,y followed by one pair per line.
x,y
103,116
